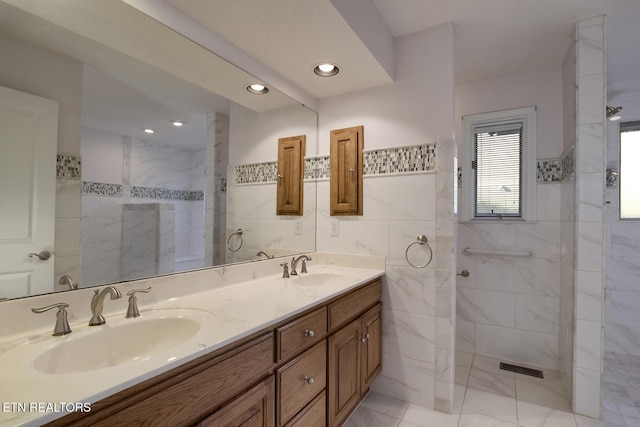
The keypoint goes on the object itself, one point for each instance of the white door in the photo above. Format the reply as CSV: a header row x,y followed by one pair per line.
x,y
28,144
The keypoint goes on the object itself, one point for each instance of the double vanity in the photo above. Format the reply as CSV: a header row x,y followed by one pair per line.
x,y
235,345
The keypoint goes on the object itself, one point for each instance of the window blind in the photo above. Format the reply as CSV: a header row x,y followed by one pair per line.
x,y
498,170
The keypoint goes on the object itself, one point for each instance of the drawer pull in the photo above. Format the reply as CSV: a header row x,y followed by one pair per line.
x,y
309,380
309,333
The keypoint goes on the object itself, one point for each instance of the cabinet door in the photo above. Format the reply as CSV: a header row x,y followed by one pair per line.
x,y
346,169
289,197
344,373
255,408
371,340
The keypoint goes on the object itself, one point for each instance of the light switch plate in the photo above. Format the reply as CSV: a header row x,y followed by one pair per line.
x,y
298,227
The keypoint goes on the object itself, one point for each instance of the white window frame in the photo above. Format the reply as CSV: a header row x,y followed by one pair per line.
x,y
527,116
624,127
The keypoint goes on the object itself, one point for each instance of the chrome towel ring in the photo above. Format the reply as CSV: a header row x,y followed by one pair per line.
x,y
420,240
239,234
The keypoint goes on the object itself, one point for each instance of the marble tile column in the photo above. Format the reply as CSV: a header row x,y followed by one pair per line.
x,y
590,179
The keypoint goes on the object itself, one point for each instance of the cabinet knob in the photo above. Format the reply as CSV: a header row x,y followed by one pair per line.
x,y
352,171
364,338
309,333
309,380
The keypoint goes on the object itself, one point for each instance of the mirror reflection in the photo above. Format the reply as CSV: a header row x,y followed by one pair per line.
x,y
130,204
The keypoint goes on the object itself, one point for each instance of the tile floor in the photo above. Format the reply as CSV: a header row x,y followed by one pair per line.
x,y
484,396
621,397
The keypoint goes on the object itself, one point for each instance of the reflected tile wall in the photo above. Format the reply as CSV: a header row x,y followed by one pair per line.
x,y
162,175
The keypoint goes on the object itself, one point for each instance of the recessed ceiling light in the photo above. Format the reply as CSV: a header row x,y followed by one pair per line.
x,y
178,123
326,69
148,130
257,89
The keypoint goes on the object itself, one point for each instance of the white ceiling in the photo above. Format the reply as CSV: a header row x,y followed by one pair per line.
x,y
492,37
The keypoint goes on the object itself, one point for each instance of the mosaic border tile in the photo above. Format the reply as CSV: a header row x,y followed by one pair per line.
x,y
165,194
68,166
256,172
101,189
568,163
408,159
549,170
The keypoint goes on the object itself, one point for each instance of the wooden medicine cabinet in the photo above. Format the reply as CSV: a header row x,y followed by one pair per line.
x,y
291,151
346,169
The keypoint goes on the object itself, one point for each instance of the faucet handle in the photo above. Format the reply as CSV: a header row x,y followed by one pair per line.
x,y
62,324
132,310
285,271
304,266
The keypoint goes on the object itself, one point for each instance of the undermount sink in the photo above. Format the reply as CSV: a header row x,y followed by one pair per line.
x,y
318,279
127,341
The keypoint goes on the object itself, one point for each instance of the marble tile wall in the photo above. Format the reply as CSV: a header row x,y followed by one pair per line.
x,y
217,159
508,308
418,302
589,238
622,250
568,218
152,173
68,208
148,240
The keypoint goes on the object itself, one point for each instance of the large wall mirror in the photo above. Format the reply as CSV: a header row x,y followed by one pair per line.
x,y
130,204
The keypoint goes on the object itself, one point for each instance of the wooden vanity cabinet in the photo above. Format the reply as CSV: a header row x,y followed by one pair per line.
x,y
310,370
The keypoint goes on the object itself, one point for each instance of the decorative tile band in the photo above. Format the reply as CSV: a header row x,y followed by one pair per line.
x,y
411,159
568,163
256,172
549,170
102,189
165,194
416,158
68,166
556,170
322,167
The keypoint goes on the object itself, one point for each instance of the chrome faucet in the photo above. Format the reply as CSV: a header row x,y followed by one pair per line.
x,y
96,304
265,254
65,279
294,264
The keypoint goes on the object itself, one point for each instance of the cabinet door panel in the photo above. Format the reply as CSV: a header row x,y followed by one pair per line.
x,y
372,346
289,195
346,169
344,368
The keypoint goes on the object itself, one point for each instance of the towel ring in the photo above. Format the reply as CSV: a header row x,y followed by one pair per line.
x,y
420,240
239,234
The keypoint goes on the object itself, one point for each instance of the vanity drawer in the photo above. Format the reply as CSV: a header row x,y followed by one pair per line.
x,y
351,306
300,380
302,333
314,415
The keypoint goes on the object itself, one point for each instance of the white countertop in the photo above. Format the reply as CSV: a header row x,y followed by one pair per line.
x,y
226,313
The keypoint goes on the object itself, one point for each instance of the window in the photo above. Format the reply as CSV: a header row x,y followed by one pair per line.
x,y
499,169
629,171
